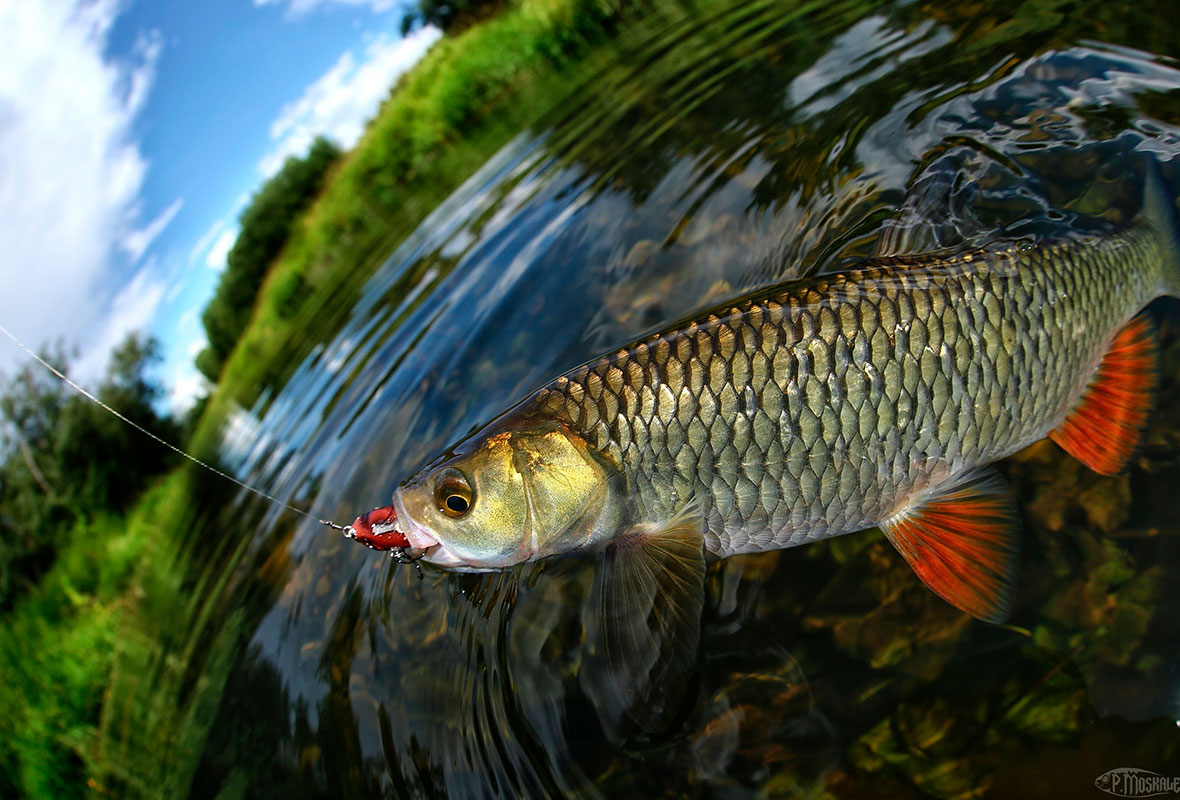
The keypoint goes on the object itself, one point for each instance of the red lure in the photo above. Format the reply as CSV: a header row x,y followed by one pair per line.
x,y
377,529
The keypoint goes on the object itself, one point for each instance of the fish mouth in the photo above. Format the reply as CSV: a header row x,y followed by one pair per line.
x,y
423,544
391,528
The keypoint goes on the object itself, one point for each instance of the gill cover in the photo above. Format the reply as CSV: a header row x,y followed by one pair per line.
x,y
513,493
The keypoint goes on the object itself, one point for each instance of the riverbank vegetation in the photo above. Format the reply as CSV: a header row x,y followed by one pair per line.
x,y
65,460
264,227
80,496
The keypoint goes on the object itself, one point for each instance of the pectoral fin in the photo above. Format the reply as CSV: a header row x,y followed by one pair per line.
x,y
644,625
964,543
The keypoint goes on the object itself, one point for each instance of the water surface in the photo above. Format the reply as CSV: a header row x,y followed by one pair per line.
x,y
715,148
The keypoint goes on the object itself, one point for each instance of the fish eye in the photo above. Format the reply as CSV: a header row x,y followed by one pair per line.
x,y
453,493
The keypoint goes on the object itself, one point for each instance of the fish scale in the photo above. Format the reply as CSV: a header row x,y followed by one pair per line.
x,y
824,406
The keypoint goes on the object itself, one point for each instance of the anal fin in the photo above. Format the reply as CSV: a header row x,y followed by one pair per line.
x,y
1108,424
644,626
964,543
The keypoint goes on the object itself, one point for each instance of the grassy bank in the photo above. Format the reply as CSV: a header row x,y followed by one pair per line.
x,y
113,664
59,643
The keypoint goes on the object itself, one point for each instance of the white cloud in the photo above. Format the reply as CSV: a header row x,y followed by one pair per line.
x,y
131,309
185,383
202,245
195,347
185,389
298,8
215,257
344,98
139,240
189,319
71,174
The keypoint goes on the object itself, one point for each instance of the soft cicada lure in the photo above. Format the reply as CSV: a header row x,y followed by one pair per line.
x,y
377,530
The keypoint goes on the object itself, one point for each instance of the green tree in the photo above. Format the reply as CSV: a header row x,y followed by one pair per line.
x,y
265,227
450,15
66,459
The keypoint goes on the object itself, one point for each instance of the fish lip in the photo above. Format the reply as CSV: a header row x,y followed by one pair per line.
x,y
440,556
420,540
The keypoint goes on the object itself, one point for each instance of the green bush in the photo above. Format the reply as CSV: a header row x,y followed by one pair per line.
x,y
65,459
265,227
58,644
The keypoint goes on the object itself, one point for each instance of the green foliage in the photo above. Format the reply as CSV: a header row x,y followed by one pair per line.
x,y
265,228
459,84
66,459
451,15
59,642
288,293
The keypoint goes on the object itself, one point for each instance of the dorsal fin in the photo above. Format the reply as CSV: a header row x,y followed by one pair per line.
x,y
935,215
1108,424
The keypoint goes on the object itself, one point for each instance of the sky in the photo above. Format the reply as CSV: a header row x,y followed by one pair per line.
x,y
133,133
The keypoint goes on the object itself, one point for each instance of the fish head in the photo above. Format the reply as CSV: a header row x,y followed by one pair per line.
x,y
512,493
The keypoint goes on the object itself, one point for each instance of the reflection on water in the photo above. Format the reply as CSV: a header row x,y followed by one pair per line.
x,y
719,147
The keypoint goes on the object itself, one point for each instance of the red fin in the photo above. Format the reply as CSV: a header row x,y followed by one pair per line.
x,y
1107,426
965,545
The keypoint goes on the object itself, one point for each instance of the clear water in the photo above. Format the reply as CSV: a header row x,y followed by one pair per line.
x,y
715,148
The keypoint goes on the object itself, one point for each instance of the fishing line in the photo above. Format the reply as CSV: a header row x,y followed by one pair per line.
x,y
345,529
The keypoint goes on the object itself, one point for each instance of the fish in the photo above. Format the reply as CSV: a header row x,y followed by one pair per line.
x,y
878,396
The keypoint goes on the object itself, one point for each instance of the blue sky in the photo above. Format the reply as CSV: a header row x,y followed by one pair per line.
x,y
131,135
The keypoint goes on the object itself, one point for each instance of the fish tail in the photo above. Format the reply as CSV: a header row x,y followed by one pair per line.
x,y
1159,209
